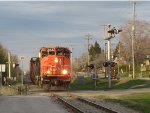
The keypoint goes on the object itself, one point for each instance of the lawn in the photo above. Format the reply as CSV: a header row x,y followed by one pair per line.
x,y
87,83
137,101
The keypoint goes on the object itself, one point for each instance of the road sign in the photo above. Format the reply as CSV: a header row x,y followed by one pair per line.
x,y
2,67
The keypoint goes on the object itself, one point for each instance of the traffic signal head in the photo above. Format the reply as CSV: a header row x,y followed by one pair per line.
x,y
105,64
91,66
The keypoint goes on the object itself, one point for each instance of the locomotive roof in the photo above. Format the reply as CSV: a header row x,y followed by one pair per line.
x,y
55,47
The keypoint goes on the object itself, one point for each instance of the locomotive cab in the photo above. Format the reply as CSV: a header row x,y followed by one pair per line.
x,y
55,65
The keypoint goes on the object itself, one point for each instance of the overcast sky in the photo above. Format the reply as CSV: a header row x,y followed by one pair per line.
x,y
25,27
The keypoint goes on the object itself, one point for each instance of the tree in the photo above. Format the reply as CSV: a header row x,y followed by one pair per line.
x,y
4,60
97,48
141,41
80,63
94,49
3,54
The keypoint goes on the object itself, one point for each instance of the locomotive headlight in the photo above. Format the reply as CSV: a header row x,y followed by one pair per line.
x,y
56,60
48,72
64,72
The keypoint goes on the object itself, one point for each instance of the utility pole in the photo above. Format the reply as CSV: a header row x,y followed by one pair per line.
x,y
105,52
133,37
71,59
9,68
22,58
88,37
118,59
109,59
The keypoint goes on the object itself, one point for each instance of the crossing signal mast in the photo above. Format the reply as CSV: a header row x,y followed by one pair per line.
x,y
111,34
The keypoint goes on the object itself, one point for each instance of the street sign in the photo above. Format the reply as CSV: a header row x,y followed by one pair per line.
x,y
2,67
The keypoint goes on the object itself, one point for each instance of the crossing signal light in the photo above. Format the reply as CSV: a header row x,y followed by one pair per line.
x,y
118,31
114,31
111,31
15,65
105,64
113,64
91,66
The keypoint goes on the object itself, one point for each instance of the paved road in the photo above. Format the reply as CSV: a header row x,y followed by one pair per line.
x,y
29,104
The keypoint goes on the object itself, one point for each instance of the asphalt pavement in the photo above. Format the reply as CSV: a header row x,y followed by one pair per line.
x,y
29,104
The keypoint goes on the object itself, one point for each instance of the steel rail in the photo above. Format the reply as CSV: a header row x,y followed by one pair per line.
x,y
77,110
93,104
96,105
69,105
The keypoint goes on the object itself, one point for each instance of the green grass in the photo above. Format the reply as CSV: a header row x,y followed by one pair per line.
x,y
126,84
88,84
140,102
137,73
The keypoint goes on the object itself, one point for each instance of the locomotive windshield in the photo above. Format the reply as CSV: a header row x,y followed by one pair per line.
x,y
58,51
63,53
67,54
51,51
44,53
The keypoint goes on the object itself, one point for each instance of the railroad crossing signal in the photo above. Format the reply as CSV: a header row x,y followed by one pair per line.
x,y
112,64
15,65
114,31
105,64
91,66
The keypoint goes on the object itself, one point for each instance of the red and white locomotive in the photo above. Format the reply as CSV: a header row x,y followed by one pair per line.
x,y
52,67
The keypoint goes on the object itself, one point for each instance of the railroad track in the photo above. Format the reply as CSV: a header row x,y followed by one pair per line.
x,y
81,105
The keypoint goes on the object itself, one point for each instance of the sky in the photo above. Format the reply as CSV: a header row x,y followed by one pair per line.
x,y
26,26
